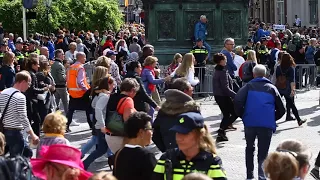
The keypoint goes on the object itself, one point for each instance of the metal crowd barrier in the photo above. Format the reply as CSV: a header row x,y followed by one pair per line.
x,y
308,72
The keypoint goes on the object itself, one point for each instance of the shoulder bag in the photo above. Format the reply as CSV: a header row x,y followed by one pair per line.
x,y
5,110
115,122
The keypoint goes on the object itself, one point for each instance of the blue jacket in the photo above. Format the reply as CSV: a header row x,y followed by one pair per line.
x,y
11,45
231,67
147,77
51,49
261,33
311,51
200,31
259,104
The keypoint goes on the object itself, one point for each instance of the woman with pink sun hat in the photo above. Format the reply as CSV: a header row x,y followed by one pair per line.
x,y
59,162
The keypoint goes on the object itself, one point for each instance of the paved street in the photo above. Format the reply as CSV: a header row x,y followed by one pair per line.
x,y
232,152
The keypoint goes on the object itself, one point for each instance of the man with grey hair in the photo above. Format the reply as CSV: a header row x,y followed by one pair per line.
x,y
78,89
259,105
44,51
11,43
200,32
227,51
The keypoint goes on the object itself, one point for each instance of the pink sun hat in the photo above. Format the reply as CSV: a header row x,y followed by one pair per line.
x,y
61,154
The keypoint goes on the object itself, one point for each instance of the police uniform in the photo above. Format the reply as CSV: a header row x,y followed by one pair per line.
x,y
20,58
263,53
174,164
200,54
246,49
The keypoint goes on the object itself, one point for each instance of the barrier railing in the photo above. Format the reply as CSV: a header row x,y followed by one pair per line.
x,y
308,72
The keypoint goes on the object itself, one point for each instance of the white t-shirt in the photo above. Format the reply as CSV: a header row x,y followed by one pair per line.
x,y
298,21
238,61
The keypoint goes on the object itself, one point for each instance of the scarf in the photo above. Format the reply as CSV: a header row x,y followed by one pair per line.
x,y
151,86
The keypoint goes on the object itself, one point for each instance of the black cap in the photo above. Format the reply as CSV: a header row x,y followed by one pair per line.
x,y
250,40
188,122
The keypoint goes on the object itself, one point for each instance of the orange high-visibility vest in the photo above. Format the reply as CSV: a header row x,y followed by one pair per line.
x,y
74,89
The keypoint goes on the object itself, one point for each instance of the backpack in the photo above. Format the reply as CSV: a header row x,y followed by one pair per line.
x,y
114,120
281,82
16,168
247,71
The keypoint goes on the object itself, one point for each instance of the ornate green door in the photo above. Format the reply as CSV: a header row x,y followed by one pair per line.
x,y
170,24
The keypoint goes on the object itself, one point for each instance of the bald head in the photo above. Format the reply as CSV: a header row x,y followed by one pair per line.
x,y
44,51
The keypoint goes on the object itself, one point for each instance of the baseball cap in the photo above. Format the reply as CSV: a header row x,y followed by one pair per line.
x,y
188,122
111,53
19,40
250,40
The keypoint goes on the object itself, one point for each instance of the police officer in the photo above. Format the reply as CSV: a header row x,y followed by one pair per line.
x,y
33,47
248,47
4,48
200,53
194,154
19,54
263,51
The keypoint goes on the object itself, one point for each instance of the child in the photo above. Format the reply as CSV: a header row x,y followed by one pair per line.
x,y
54,127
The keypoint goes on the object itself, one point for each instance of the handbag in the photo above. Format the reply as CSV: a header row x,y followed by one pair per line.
x,y
115,123
42,96
5,110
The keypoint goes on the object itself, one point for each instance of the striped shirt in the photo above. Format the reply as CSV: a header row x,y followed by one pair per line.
x,y
50,139
16,115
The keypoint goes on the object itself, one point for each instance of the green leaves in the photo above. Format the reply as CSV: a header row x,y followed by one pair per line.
x,y
70,14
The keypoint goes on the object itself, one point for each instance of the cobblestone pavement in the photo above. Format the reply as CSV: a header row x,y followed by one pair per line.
x,y
232,152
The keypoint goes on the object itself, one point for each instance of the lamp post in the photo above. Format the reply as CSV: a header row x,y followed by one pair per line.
x,y
48,4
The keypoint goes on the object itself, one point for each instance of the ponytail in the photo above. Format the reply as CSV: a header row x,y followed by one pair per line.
x,y
281,166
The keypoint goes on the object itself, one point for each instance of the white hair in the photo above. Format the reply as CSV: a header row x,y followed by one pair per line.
x,y
80,54
260,70
203,17
11,35
227,40
312,40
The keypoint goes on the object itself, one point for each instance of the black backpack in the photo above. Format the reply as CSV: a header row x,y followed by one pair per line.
x,y
17,168
247,71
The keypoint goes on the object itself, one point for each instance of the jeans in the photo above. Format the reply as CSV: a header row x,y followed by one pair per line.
x,y
102,149
208,47
92,142
62,93
226,106
264,138
16,144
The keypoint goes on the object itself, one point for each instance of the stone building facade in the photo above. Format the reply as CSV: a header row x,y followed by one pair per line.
x,y
284,11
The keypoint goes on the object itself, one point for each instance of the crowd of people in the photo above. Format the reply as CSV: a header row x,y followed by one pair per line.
x,y
121,98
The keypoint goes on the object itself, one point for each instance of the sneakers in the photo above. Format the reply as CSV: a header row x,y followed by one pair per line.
x,y
315,173
74,123
101,159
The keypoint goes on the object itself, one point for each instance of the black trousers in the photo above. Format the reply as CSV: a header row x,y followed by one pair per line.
x,y
290,105
33,115
318,160
227,108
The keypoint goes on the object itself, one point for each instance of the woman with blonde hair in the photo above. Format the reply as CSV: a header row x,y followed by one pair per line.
x,y
177,59
54,127
71,54
99,73
290,161
103,61
246,69
196,150
186,69
148,77
7,71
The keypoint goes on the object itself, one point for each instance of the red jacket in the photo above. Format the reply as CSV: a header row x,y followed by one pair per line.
x,y
271,44
108,44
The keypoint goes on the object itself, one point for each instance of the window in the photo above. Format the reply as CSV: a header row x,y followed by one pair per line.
x,y
280,12
313,6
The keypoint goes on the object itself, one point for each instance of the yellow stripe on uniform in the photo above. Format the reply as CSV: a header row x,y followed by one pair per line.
x,y
216,173
159,169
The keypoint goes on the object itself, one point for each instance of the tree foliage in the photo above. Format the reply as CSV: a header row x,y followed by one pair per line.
x,y
69,14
